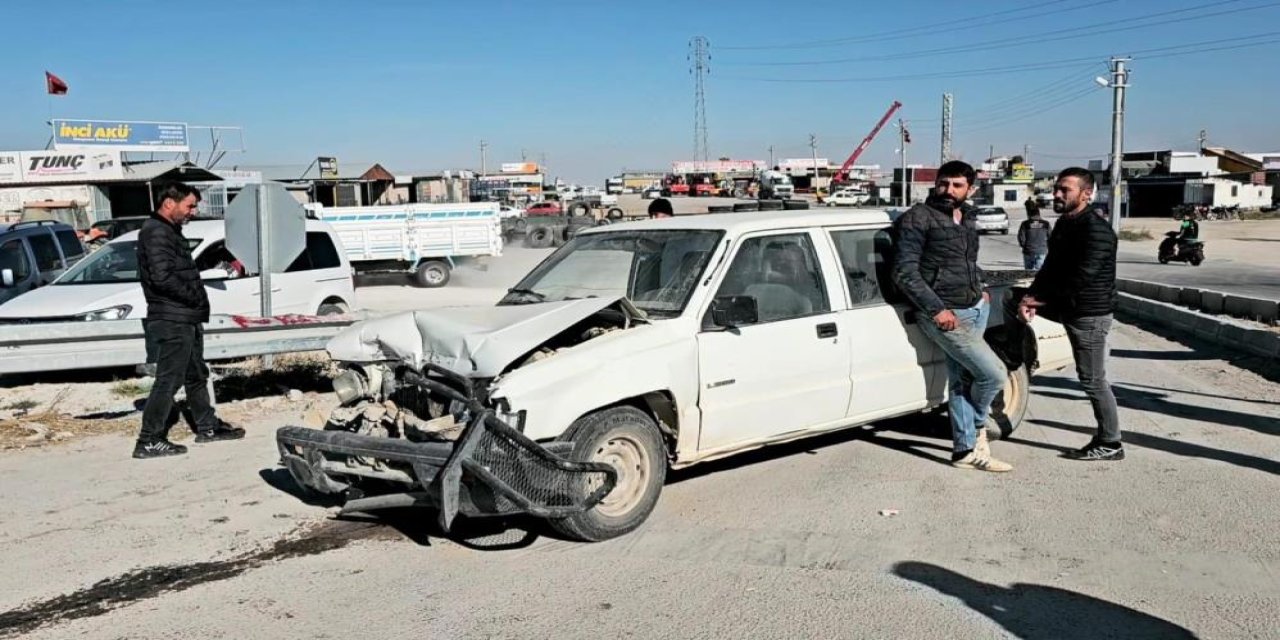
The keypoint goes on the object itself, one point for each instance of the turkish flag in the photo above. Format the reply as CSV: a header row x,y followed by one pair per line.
x,y
54,85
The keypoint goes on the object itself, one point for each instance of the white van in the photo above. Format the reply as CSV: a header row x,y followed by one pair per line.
x,y
105,285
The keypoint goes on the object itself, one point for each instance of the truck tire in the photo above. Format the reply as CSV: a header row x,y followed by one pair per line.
x,y
615,213
746,206
332,309
1010,407
521,225
771,205
579,209
539,237
628,439
432,274
795,205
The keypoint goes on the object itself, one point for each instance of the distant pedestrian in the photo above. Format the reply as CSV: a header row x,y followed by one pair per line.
x,y
1077,288
661,208
1033,207
936,267
1033,237
177,305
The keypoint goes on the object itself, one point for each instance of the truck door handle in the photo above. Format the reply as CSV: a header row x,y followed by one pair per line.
x,y
828,330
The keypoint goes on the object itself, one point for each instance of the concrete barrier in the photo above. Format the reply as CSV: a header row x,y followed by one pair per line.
x,y
1212,301
1168,294
1224,332
1238,306
1190,297
1267,311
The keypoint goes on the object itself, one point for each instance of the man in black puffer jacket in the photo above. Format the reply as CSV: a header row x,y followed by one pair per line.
x,y
1077,287
177,306
936,267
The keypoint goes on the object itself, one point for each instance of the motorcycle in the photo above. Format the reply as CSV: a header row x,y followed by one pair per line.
x,y
1171,250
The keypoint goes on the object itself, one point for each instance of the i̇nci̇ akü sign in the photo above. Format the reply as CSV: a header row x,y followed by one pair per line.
x,y
121,135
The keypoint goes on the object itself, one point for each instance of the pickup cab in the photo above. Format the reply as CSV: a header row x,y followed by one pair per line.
x,y
633,349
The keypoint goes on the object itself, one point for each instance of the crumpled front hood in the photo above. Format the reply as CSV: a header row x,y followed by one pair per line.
x,y
473,341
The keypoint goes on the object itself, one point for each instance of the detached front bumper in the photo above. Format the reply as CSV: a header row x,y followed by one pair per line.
x,y
491,469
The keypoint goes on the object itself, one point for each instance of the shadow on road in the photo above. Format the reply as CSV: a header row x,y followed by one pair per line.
x,y
927,425
1036,612
1156,402
1141,354
1268,368
1175,447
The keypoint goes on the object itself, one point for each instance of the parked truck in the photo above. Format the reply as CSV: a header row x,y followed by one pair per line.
x,y
634,349
421,239
775,185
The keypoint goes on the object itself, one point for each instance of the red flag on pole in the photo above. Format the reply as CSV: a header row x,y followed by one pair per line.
x,y
54,85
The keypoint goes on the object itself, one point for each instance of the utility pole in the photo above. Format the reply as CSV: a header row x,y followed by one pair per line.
x,y
1204,137
1026,154
1119,82
483,167
770,156
699,60
902,147
813,150
946,128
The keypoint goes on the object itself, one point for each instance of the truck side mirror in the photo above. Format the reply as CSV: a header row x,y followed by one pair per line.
x,y
730,312
6,278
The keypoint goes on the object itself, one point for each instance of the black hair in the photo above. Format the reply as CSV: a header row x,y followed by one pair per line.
x,y
958,169
661,205
1085,176
175,191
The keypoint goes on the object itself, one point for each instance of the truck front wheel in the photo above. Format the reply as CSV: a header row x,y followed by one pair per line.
x,y
1010,407
628,440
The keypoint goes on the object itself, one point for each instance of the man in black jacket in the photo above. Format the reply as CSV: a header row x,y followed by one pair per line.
x,y
177,305
1077,287
936,268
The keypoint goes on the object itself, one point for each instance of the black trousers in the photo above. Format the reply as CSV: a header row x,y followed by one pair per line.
x,y
179,356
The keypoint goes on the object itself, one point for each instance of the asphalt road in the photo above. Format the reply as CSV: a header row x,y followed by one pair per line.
x,y
790,542
1243,268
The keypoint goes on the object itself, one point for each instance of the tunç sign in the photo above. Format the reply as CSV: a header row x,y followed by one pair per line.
x,y
59,166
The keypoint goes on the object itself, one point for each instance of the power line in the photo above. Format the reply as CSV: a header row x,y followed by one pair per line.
x,y
1175,50
928,29
1006,121
1072,33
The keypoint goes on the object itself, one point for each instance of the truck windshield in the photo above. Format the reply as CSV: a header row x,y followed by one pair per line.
x,y
114,262
656,269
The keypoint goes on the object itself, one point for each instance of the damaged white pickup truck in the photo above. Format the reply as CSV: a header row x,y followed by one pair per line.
x,y
633,349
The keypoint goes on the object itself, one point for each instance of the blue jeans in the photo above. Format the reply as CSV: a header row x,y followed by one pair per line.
x,y
975,374
1033,261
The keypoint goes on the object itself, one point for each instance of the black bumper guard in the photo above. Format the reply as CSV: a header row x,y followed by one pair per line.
x,y
491,469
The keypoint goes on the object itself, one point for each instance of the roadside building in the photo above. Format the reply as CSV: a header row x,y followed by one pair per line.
x,y
1159,181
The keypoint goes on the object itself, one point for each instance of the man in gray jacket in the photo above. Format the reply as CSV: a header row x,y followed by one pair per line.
x,y
1033,237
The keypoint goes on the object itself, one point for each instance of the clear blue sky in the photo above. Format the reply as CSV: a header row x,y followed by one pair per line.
x,y
599,86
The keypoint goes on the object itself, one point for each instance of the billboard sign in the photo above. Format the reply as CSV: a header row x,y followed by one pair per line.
x,y
1022,173
10,167
791,164
328,166
73,135
60,166
520,167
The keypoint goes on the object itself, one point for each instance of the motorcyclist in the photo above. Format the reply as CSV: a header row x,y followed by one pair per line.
x,y
1189,231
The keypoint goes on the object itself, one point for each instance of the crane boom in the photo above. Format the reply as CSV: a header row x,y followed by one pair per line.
x,y
843,174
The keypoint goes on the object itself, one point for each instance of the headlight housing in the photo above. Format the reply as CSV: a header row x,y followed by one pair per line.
x,y
110,313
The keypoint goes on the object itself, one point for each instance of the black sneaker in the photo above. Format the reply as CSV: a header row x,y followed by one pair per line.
x,y
1097,451
223,431
157,449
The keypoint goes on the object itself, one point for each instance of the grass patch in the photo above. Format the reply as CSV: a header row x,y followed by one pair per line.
x,y
1135,234
21,405
129,389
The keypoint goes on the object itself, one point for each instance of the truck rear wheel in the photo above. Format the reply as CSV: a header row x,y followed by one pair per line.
x,y
1010,407
615,213
432,274
628,440
539,237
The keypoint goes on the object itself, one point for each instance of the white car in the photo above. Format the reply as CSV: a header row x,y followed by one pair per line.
x,y
846,198
993,220
105,284
635,348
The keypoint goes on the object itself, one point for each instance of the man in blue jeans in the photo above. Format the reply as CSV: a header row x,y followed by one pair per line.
x,y
936,268
1077,287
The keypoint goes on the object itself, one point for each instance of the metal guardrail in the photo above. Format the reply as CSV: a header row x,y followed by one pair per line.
x,y
63,346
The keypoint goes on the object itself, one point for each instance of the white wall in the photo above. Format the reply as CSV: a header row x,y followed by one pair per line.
x,y
1220,192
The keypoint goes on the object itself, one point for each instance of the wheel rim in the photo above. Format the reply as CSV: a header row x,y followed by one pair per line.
x,y
1012,396
434,275
629,458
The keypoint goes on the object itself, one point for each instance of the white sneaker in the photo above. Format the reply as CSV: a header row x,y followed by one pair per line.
x,y
982,463
983,447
